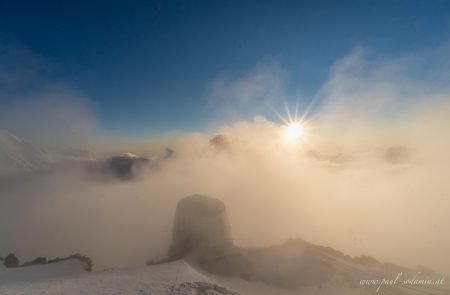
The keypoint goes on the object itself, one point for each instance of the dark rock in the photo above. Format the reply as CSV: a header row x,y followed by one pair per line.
x,y
123,167
201,226
220,141
168,153
11,260
38,260
396,155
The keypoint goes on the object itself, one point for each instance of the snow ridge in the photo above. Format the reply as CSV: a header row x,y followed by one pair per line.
x,y
17,155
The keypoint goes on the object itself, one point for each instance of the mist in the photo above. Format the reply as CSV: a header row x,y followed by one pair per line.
x,y
369,177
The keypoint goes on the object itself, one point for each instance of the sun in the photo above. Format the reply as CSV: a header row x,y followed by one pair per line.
x,y
295,129
293,132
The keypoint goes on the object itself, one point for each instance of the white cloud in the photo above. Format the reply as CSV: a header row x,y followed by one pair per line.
x,y
359,203
39,108
260,91
57,117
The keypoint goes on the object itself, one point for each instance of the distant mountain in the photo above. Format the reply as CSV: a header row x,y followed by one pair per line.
x,y
124,167
17,155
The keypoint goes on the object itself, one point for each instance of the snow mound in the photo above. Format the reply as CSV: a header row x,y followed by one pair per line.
x,y
130,155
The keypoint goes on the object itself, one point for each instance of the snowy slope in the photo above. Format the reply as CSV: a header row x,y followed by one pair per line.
x,y
19,156
69,278
38,273
182,278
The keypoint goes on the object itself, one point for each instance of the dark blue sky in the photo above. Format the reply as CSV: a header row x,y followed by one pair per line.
x,y
147,65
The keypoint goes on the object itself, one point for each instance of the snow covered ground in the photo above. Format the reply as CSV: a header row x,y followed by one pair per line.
x,y
177,278
69,277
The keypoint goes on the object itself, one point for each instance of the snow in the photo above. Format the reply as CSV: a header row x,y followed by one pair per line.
x,y
130,155
18,156
37,273
173,278
69,278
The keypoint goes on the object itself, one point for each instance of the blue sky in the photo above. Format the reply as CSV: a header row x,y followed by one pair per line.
x,y
150,67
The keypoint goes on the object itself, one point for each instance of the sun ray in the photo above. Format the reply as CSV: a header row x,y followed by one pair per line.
x,y
296,110
295,128
288,112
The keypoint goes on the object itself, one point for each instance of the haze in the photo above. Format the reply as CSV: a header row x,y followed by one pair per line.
x,y
370,176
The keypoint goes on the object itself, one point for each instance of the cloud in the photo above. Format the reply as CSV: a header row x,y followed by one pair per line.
x,y
38,107
373,174
259,91
57,117
373,95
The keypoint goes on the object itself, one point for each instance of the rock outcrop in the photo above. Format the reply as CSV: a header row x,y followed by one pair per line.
x,y
201,226
123,167
202,234
11,261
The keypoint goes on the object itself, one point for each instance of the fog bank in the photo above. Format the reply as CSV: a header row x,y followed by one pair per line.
x,y
369,177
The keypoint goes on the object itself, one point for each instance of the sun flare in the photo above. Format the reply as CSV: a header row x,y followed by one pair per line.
x,y
293,132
